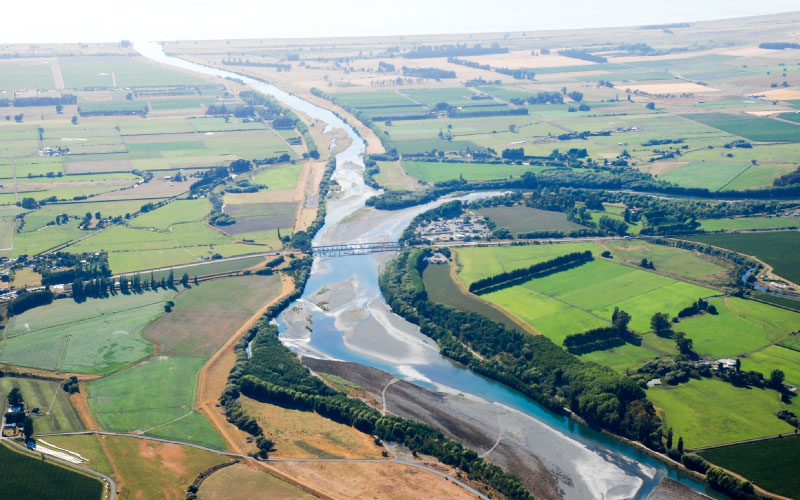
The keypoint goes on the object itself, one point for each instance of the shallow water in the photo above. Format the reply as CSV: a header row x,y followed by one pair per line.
x,y
363,329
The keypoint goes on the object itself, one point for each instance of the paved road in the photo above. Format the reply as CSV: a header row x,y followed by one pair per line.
x,y
398,459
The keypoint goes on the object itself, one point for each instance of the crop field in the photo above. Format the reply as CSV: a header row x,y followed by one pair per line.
x,y
56,413
95,337
741,326
206,315
253,217
768,464
151,395
150,469
23,477
707,412
521,219
35,74
250,483
119,71
770,247
750,127
749,223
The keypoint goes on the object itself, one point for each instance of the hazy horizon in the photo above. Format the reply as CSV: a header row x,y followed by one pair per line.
x,y
97,21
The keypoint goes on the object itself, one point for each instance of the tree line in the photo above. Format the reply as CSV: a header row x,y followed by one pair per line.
x,y
511,278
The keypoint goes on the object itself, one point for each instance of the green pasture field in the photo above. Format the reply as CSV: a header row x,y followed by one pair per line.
x,y
712,175
150,395
26,74
187,103
669,260
580,298
775,357
364,100
737,223
96,71
206,315
740,326
278,177
56,413
768,464
622,358
436,172
522,219
441,288
33,166
7,228
771,247
94,337
430,97
751,127
136,260
175,212
163,147
79,209
107,106
37,241
23,477
708,412
414,146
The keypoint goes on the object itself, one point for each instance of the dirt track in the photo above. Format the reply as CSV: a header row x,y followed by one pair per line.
x,y
214,375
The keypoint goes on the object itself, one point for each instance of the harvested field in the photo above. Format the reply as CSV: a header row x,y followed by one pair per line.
x,y
252,217
671,88
153,470
372,480
250,483
521,219
302,434
205,316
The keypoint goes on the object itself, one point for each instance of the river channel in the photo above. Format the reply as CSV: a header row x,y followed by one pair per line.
x,y
343,316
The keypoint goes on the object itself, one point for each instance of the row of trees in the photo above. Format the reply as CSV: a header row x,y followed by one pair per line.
x,y
538,270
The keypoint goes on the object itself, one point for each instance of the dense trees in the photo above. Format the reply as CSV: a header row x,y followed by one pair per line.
x,y
449,50
28,300
431,73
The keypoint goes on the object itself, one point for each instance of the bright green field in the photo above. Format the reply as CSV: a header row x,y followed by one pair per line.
x,y
741,326
155,396
580,298
774,248
283,177
775,357
706,412
56,413
711,175
96,71
435,172
751,127
623,358
97,336
749,223
771,464
23,477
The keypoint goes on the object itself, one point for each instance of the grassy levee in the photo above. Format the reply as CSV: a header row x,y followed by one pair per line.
x,y
771,464
709,412
23,477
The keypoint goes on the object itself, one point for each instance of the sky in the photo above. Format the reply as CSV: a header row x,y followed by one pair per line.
x,y
48,21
